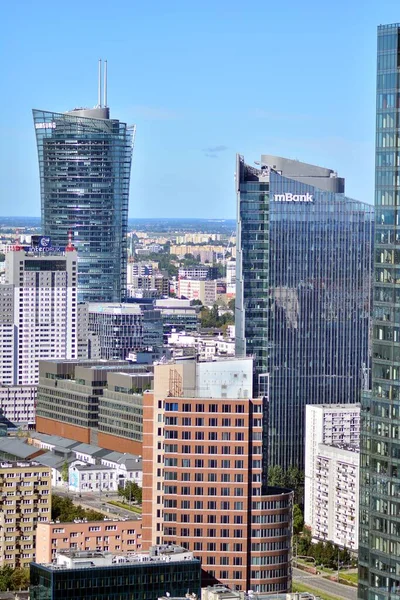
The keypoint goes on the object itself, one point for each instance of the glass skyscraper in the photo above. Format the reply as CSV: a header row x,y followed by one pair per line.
x,y
85,162
379,545
303,292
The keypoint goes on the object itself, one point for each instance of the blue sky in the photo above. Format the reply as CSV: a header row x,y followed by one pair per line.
x,y
202,81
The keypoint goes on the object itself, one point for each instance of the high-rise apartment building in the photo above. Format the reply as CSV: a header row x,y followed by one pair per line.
x,y
379,544
25,489
302,292
332,472
204,475
43,309
84,163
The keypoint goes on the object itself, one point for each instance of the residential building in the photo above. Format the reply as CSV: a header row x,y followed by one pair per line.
x,y
198,289
205,477
379,544
303,292
44,307
84,165
101,574
82,317
329,425
157,283
8,359
196,272
332,456
231,277
80,400
17,404
25,489
335,514
101,536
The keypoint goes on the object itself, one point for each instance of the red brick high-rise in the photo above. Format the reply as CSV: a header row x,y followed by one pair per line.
x,y
203,475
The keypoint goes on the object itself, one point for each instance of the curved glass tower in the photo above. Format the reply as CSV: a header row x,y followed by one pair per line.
x,y
303,282
85,163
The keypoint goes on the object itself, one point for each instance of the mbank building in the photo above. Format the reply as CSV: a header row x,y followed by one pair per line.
x,y
303,282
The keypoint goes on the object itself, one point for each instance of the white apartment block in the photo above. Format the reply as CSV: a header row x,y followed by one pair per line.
x,y
17,403
336,483
198,289
231,277
44,308
332,471
196,272
7,335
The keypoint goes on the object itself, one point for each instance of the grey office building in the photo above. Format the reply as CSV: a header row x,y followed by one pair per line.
x,y
379,543
85,163
303,282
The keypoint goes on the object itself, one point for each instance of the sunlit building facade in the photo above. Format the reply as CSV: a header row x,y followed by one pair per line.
x,y
84,163
303,282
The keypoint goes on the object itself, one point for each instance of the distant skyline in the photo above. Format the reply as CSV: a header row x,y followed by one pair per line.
x,y
202,81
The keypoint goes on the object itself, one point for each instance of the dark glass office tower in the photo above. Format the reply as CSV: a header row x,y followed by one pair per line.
x,y
85,162
379,544
303,292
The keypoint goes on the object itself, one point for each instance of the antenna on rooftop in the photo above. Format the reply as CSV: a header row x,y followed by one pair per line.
x,y
105,84
99,87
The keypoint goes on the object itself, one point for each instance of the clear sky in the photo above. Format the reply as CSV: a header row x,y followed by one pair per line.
x,y
202,80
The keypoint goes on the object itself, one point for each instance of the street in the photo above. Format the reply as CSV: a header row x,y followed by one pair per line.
x,y
97,502
318,582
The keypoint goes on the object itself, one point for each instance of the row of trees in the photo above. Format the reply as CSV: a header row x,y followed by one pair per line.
x,y
131,492
63,509
324,553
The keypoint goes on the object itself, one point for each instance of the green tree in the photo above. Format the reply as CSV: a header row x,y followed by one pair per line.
x,y
5,578
19,579
196,303
298,520
63,509
231,304
65,472
275,476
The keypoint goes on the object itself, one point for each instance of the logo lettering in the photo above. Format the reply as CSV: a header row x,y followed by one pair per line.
x,y
289,197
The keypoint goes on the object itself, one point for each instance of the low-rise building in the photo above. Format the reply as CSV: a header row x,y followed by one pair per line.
x,y
104,574
103,536
25,490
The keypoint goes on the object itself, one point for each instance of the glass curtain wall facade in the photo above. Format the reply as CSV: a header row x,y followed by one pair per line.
x,y
303,296
84,165
379,544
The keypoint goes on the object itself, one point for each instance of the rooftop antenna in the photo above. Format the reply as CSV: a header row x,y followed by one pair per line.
x,y
99,86
105,84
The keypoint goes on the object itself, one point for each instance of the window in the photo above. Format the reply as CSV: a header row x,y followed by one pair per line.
x,y
199,449
198,476
199,422
211,505
213,408
212,477
226,408
186,408
239,464
199,408
199,463
198,504
211,546
239,450
226,422
226,436
199,435
213,422
212,435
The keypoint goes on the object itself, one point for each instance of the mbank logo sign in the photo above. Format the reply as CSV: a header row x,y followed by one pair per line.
x,y
293,197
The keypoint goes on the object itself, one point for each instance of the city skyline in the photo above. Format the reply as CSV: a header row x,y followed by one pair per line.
x,y
175,71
